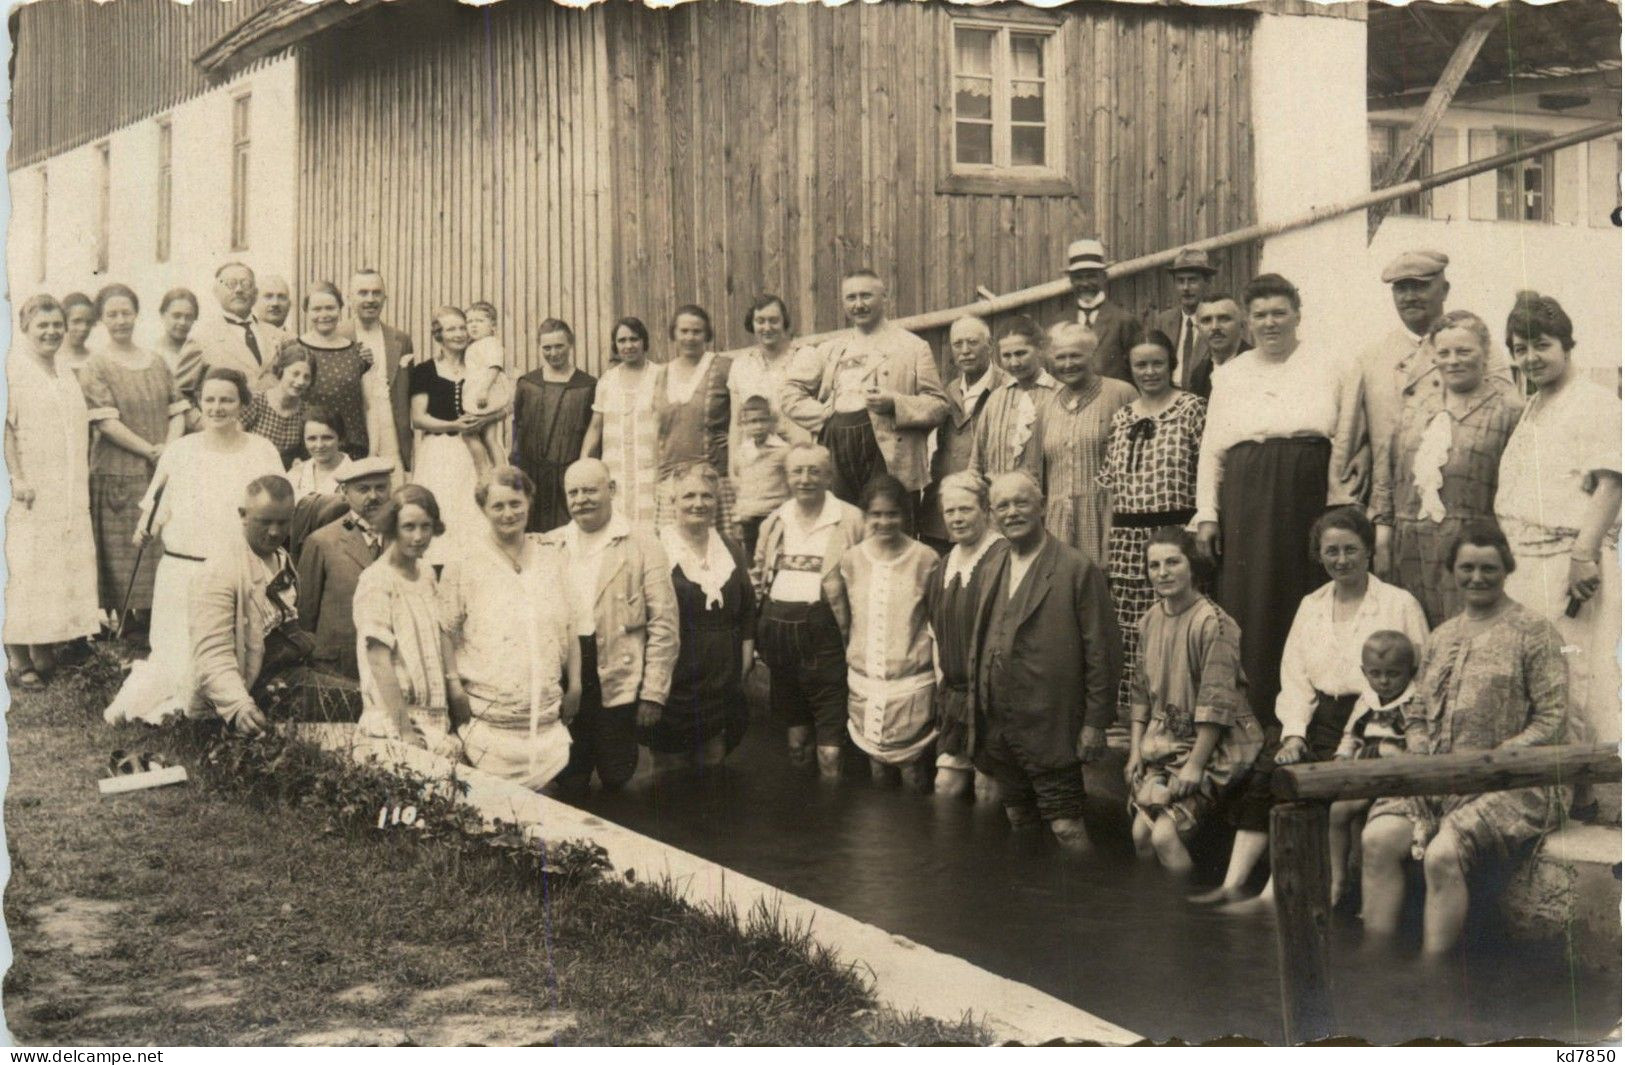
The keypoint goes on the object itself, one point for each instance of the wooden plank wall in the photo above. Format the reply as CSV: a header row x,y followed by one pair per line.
x,y
139,50
774,147
464,152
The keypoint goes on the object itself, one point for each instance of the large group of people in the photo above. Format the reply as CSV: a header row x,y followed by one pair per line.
x,y
1228,547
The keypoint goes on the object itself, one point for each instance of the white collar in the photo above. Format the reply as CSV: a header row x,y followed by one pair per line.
x,y
773,440
829,515
1369,697
1043,380
983,383
614,529
709,570
961,563
232,319
1094,304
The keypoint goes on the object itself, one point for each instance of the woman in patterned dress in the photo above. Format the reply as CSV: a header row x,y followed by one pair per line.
x,y
138,410
1442,469
1150,475
624,429
50,551
337,364
1492,678
1068,447
692,411
278,413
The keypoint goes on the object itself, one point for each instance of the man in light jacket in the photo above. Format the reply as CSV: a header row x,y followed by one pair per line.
x,y
624,612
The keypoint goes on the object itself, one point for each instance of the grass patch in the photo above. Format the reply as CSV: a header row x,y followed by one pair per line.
x,y
260,904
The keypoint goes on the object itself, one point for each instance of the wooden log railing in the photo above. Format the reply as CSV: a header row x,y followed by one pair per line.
x,y
1300,859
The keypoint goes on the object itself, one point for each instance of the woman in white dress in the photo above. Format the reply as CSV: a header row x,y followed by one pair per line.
x,y
1557,499
318,472
192,502
50,549
442,461
625,429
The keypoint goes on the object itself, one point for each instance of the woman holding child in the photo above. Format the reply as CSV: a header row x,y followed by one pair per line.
x,y
337,363
442,460
1492,677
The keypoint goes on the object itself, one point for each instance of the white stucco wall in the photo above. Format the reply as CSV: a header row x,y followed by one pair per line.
x,y
1309,150
200,234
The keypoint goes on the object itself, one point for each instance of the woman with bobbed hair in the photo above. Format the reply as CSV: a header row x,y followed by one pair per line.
x,y
410,690
692,411
762,371
192,501
80,310
516,651
1558,500
1441,470
177,313
138,411
1266,473
50,549
624,430
1493,678
337,365
1005,429
956,591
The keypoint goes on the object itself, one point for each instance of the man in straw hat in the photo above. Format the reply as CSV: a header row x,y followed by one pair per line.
x,y
1192,274
1116,330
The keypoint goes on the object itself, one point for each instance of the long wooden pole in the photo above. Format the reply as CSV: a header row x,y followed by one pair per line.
x,y
1013,301
1416,138
1465,773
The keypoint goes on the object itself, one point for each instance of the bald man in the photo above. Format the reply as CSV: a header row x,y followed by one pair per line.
x,y
1047,654
970,343
803,608
624,610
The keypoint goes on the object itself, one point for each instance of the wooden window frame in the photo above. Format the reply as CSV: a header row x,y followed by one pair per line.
x,y
241,145
996,180
1424,167
166,190
1548,166
104,204
44,263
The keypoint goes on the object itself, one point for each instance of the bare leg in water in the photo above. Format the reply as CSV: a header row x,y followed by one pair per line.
x,y
1245,854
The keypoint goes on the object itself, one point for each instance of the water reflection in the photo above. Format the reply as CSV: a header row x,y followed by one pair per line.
x,y
1104,932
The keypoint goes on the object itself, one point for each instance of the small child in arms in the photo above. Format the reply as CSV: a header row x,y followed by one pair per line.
x,y
763,486
1375,729
487,387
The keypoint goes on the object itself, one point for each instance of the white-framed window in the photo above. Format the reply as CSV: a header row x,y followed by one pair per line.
x,y
43,264
1386,139
1007,117
1523,191
104,202
240,105
166,188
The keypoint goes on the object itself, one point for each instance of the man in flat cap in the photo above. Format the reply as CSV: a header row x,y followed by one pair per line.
x,y
1116,330
1192,274
331,561
1396,368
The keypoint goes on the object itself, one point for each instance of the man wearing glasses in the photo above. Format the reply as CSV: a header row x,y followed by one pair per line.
x,y
232,335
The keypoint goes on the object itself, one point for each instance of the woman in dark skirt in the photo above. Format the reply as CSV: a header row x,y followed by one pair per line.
x,y
705,716
955,593
1264,477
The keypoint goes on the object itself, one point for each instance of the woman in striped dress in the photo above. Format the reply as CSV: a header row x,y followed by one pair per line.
x,y
138,409
1069,442
1150,475
624,429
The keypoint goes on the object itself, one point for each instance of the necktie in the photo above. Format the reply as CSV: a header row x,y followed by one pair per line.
x,y
253,341
1187,349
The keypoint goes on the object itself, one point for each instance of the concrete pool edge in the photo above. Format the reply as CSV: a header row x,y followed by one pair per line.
x,y
907,976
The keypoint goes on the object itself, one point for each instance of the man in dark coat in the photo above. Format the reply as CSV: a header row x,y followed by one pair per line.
x,y
1192,274
1048,655
1115,328
332,559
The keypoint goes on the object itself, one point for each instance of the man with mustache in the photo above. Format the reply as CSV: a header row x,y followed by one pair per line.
x,y
1389,373
232,337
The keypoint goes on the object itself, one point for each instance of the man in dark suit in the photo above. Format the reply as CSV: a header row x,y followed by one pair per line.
x,y
1047,655
1224,336
970,343
332,559
393,354
1116,329
1192,275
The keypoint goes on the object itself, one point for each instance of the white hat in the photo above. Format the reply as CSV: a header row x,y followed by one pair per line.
x,y
370,466
1085,254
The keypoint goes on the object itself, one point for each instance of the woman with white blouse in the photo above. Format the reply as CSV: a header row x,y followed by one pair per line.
x,y
1320,675
1265,474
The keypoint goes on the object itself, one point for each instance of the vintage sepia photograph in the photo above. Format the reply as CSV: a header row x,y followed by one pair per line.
x,y
891,522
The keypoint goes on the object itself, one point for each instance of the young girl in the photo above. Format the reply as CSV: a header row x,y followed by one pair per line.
x,y
487,386
278,413
1376,729
409,681
324,444
891,683
1192,733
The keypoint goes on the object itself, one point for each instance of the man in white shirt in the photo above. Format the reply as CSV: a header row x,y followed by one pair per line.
x,y
624,610
971,344
276,300
232,336
1192,274
389,427
871,396
803,608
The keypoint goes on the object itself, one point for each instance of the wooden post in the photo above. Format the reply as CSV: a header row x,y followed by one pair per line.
x,y
1450,79
1301,865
